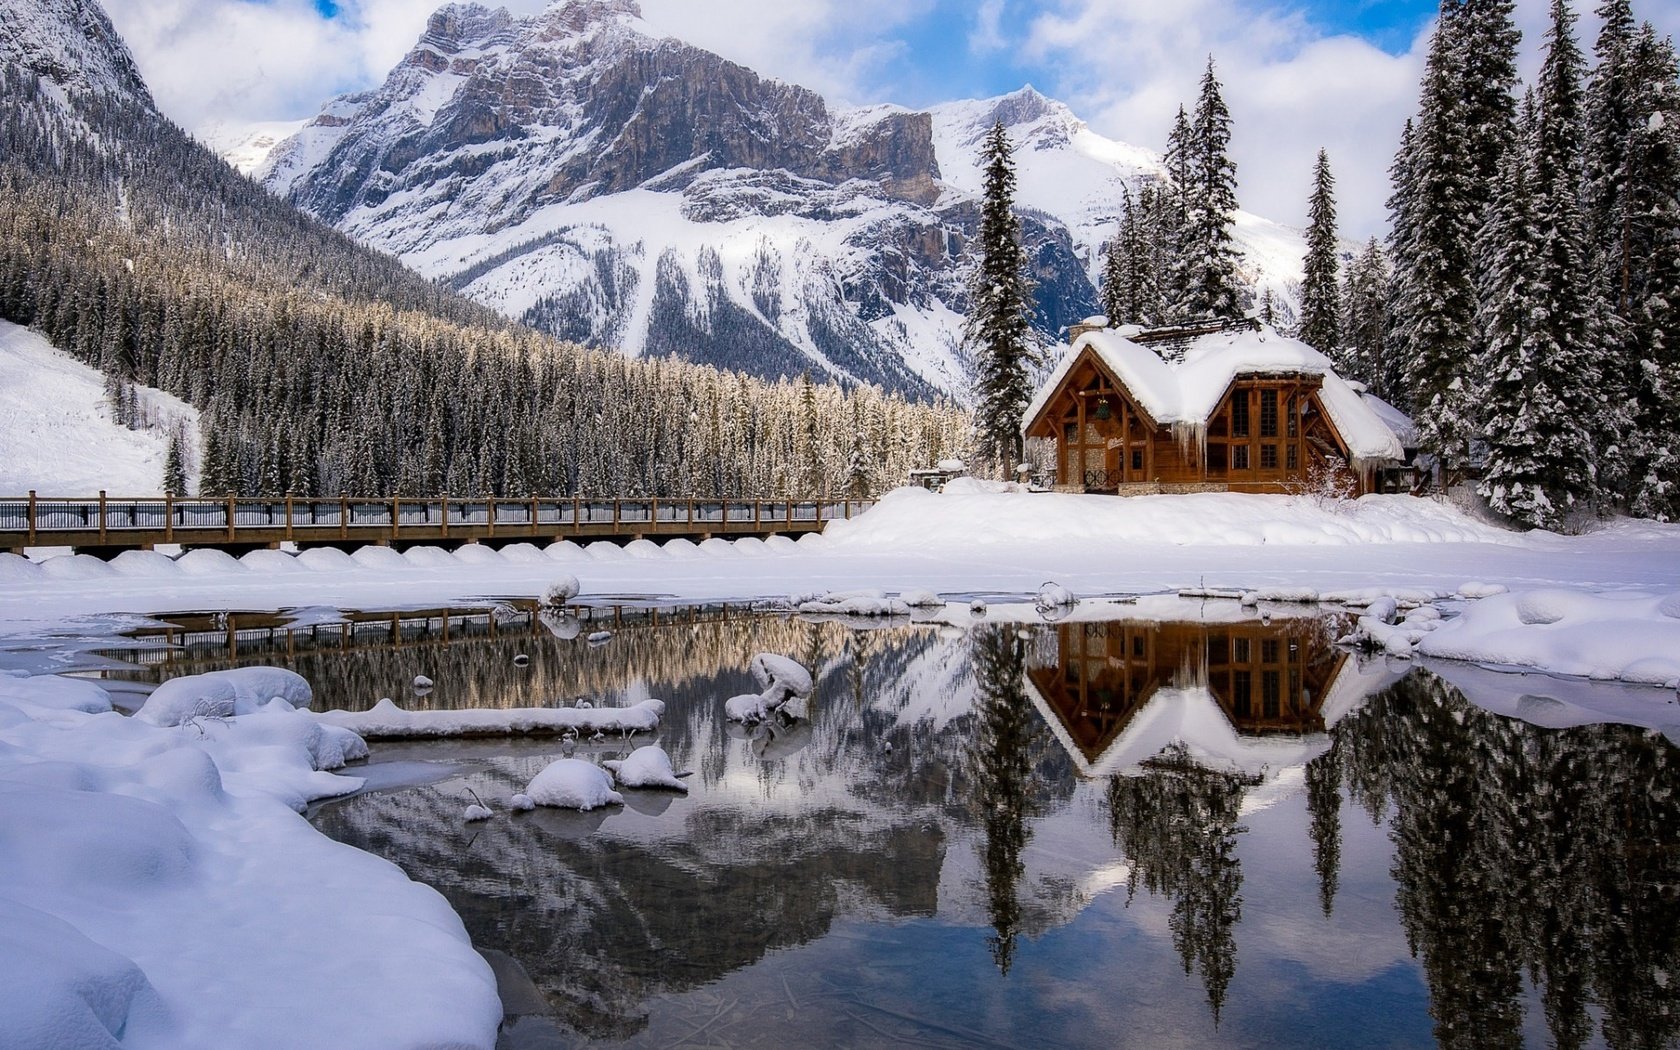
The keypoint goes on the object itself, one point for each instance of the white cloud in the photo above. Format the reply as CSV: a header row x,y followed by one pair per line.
x,y
1125,65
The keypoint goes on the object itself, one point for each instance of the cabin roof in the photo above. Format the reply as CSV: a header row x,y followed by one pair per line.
x,y
1189,388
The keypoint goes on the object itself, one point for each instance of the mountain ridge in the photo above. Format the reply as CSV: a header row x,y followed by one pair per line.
x,y
576,172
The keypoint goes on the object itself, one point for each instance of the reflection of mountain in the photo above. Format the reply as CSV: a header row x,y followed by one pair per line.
x,y
603,921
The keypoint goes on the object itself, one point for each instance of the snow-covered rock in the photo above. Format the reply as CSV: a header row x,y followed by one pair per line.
x,y
475,812
572,783
561,590
223,694
646,767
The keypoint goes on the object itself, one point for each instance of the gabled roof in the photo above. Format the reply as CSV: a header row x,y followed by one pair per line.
x,y
1187,391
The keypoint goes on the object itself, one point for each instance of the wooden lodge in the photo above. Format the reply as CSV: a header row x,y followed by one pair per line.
x,y
1220,406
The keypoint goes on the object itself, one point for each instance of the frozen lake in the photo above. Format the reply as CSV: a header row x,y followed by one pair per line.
x,y
1210,828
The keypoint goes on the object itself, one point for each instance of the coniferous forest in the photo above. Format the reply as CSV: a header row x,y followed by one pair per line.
x,y
323,367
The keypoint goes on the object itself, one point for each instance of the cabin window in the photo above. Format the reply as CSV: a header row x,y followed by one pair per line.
x,y
1239,650
1239,413
1268,457
1269,651
1268,413
1293,456
1239,457
1217,457
1137,459
1070,433
1219,650
1269,691
1294,418
1242,690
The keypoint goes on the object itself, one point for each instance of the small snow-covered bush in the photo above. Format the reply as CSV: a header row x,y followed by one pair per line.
x,y
572,783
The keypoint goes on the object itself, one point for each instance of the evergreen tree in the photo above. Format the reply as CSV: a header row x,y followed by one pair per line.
x,y
1321,308
1365,323
1440,212
1522,402
1205,267
997,327
174,468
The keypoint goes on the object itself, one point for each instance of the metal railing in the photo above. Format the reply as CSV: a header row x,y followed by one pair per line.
x,y
38,519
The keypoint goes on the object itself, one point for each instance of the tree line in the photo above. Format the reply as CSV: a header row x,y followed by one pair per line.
x,y
322,367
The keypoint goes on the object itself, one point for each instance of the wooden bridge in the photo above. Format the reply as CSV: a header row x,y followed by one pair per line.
x,y
106,526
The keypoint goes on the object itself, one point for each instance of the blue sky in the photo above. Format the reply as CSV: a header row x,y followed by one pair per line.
x,y
1298,74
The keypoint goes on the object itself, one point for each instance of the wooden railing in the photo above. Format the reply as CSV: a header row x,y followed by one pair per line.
x,y
103,521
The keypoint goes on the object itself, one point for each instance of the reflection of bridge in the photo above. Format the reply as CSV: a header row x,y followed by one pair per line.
x,y
103,525
192,643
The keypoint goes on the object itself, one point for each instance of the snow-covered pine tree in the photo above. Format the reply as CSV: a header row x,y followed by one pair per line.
x,y
1402,249
1520,399
1650,362
174,467
1435,304
998,328
1365,322
1486,38
1587,426
1205,269
1321,308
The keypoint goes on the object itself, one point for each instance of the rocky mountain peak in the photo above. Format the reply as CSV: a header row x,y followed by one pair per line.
x,y
580,16
72,44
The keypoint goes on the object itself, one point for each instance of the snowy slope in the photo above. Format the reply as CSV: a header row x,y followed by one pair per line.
x,y
57,433
575,172
247,146
69,44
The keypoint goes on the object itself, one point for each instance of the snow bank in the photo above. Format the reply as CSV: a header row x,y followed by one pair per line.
x,y
915,521
54,693
386,721
572,783
222,694
851,603
1624,636
159,890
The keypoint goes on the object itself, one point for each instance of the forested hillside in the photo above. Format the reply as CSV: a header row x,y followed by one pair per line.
x,y
323,367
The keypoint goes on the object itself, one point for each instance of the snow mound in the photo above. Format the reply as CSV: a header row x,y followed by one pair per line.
x,y
523,554
380,558
271,562
55,693
921,598
430,558
15,568
326,559
476,812
76,567
144,563
565,550
62,989
1601,635
646,767
207,561
223,694
912,521
572,783
643,549
606,550
522,802
1477,589
852,603
780,674
562,590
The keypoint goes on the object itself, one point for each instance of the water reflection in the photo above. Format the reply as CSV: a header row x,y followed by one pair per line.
x,y
1202,829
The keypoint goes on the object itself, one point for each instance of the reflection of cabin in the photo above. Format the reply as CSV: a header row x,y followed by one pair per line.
x,y
934,479
1265,678
1223,406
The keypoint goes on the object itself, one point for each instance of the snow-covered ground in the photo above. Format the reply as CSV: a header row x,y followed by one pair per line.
x,y
158,888
57,432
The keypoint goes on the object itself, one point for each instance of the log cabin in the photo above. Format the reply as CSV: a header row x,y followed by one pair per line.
x,y
1215,406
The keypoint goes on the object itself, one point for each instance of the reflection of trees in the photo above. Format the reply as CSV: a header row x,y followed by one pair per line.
x,y
1004,741
1521,850
1177,824
1324,803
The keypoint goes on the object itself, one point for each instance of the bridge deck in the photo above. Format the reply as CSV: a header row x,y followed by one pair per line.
x,y
109,524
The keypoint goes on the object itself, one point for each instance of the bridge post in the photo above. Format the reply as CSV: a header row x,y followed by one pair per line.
x,y
533,529
691,515
490,513
101,516
396,516
288,515
446,516
230,516
617,510
653,516
577,509
168,518
343,515
758,515
32,517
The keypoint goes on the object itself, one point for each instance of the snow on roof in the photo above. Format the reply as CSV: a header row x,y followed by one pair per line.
x,y
1188,390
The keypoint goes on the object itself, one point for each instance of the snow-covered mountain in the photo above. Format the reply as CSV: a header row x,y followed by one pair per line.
x,y
579,172
70,44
